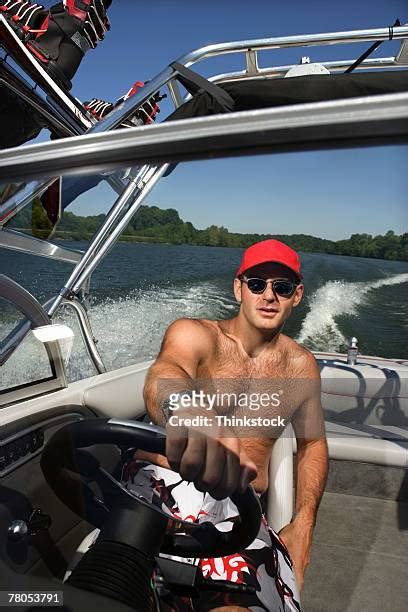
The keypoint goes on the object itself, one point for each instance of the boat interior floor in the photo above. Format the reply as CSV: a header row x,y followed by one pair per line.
x,y
359,556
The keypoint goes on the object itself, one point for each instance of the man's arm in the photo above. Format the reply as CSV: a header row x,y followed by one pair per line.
x,y
184,345
312,455
311,471
213,462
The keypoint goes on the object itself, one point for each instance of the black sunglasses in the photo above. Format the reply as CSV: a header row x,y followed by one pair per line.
x,y
284,288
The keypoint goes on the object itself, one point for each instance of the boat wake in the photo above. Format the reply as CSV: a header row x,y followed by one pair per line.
x,y
130,329
320,329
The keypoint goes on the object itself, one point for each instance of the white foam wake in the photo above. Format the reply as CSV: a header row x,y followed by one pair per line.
x,y
128,329
319,328
131,328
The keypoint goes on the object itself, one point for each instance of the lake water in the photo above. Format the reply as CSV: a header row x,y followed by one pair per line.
x,y
139,289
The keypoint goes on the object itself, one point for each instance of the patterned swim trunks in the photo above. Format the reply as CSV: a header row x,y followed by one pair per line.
x,y
265,564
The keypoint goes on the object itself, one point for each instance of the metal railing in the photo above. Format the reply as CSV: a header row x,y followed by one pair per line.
x,y
250,50
346,122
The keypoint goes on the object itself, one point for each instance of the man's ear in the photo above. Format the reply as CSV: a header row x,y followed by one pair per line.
x,y
238,290
298,295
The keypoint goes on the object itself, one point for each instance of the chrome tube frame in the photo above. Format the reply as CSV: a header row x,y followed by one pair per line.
x,y
282,42
98,248
16,241
87,335
332,66
295,127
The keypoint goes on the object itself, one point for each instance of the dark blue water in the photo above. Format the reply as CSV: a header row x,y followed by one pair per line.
x,y
139,289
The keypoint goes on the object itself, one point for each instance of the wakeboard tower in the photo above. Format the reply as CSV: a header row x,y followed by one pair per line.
x,y
48,104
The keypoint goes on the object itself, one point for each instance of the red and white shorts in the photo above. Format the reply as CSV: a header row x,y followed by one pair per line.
x,y
265,564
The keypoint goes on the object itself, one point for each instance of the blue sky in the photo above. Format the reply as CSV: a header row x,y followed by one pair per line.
x,y
330,194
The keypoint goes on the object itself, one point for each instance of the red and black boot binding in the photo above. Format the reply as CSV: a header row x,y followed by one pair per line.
x,y
59,37
144,115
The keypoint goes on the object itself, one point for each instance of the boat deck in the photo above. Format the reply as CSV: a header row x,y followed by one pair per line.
x,y
359,556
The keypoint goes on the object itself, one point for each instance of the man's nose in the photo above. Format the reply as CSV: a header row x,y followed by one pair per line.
x,y
269,294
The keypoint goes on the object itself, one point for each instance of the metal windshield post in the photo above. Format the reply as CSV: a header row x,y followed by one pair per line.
x,y
157,173
133,196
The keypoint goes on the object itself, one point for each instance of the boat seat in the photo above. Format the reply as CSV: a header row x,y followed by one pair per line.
x,y
118,393
279,510
373,391
381,445
378,444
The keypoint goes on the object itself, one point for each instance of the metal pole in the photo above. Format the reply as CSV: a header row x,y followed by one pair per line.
x,y
159,171
329,38
332,66
129,194
87,336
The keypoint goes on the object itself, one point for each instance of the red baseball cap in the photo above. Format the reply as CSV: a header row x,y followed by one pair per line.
x,y
270,250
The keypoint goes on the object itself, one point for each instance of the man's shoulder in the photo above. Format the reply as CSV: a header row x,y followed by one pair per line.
x,y
195,330
302,360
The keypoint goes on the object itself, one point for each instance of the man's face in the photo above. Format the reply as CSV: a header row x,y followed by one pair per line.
x,y
267,311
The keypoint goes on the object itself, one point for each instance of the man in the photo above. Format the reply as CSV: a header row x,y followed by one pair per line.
x,y
249,347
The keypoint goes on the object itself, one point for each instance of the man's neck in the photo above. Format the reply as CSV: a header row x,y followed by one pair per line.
x,y
254,341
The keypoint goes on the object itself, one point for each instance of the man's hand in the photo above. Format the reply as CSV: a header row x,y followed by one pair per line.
x,y
297,538
213,462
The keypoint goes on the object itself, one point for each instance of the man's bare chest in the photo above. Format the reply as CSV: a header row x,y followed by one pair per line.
x,y
255,386
229,362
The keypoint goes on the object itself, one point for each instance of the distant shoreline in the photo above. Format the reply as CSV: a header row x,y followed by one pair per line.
x,y
132,239
153,225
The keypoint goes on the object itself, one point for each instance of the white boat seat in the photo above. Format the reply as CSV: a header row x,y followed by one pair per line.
x,y
280,492
381,445
118,393
373,391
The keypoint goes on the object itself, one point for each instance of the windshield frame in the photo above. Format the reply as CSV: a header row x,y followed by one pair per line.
x,y
344,123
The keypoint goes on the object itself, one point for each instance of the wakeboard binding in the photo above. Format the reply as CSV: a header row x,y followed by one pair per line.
x,y
60,36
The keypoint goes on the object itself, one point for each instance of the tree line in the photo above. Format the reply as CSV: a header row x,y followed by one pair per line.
x,y
153,224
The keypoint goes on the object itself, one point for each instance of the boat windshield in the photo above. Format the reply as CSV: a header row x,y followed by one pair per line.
x,y
175,254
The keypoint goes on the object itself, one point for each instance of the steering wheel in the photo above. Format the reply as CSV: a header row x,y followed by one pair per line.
x,y
120,564
69,470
